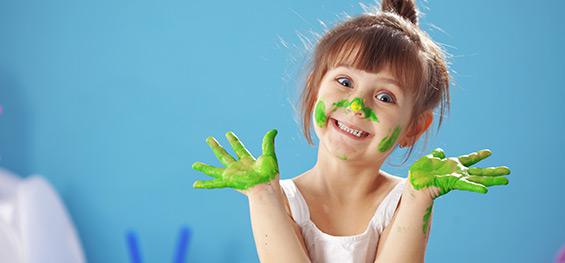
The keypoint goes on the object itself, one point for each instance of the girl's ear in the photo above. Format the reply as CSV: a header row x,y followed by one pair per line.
x,y
420,126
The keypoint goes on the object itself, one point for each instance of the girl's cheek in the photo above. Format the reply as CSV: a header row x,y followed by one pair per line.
x,y
331,92
323,108
320,113
389,140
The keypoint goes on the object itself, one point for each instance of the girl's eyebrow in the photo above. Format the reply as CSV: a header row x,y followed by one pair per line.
x,y
395,84
391,81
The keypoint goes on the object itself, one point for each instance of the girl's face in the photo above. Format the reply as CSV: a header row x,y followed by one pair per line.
x,y
360,115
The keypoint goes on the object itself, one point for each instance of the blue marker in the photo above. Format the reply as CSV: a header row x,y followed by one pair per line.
x,y
182,244
133,247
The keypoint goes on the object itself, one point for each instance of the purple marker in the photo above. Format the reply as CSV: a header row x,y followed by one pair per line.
x,y
560,255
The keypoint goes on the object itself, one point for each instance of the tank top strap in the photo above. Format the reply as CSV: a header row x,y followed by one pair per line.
x,y
385,211
298,206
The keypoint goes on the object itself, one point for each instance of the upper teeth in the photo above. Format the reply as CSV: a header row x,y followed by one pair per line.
x,y
347,129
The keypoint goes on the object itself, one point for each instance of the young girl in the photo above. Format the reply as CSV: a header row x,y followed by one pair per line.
x,y
374,82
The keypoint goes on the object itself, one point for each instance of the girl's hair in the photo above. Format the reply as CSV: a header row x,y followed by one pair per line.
x,y
390,37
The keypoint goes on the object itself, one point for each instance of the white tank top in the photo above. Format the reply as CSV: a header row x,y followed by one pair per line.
x,y
326,248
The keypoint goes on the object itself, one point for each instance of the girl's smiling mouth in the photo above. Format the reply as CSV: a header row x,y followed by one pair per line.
x,y
349,130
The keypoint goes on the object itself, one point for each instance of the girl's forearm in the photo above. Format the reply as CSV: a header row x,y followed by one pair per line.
x,y
274,235
408,236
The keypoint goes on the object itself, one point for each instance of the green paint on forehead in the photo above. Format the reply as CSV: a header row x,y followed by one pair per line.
x,y
357,105
320,114
388,141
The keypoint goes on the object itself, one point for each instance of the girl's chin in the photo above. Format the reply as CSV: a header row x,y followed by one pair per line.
x,y
356,157
345,150
342,149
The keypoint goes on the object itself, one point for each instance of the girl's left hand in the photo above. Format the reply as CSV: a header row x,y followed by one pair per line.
x,y
435,170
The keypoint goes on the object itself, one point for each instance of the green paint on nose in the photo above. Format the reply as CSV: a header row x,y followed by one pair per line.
x,y
320,114
357,105
388,141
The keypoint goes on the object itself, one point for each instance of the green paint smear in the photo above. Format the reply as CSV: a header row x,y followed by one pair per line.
x,y
427,217
388,141
320,114
357,105
243,173
343,157
452,173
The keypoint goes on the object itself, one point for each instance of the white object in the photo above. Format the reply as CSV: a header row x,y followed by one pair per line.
x,y
34,224
326,248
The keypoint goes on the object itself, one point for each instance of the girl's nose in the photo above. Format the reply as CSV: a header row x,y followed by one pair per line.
x,y
359,114
357,106
356,113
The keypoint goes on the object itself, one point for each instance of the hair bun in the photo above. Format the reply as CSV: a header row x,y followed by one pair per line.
x,y
404,8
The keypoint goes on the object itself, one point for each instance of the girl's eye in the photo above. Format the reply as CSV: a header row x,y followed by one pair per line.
x,y
344,81
385,97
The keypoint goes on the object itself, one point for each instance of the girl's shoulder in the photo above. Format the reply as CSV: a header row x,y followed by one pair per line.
x,y
297,180
291,183
393,179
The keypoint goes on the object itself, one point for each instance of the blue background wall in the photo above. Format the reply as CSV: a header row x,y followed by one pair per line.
x,y
112,100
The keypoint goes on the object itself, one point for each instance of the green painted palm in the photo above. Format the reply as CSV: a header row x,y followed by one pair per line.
x,y
454,173
243,173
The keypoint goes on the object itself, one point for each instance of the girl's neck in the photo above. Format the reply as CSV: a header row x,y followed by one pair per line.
x,y
345,181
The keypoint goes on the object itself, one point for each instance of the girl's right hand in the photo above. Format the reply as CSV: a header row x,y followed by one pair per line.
x,y
243,174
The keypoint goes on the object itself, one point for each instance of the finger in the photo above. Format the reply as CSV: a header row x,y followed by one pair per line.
x,y
213,171
489,171
465,185
269,142
439,153
237,146
216,183
224,157
475,157
488,180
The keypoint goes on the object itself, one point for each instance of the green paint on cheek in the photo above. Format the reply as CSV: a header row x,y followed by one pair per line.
x,y
372,115
388,141
320,114
343,157
427,217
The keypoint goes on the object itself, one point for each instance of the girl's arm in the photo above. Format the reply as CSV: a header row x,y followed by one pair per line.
x,y
406,237
277,237
431,176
